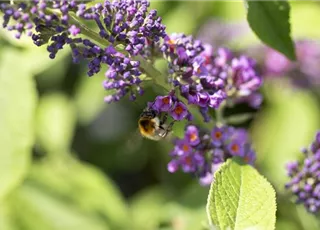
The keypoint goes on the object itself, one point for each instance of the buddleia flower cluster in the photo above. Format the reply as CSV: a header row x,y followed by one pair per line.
x,y
201,152
206,77
305,177
128,37
126,23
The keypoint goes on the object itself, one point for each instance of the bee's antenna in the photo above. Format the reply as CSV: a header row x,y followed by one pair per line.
x,y
136,103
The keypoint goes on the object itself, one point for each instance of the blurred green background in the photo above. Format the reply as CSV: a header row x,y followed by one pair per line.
x,y
69,161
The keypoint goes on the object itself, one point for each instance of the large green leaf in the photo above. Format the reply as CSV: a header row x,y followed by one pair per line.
x,y
36,209
17,105
240,198
270,22
82,187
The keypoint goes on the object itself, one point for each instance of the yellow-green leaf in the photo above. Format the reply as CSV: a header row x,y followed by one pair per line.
x,y
240,198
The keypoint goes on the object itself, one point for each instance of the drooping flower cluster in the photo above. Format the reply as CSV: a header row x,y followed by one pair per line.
x,y
206,77
201,152
305,177
125,22
304,72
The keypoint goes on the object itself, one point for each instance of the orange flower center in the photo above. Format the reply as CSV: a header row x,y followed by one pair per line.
x,y
171,42
171,45
165,100
188,160
178,110
193,137
235,147
218,135
246,159
185,148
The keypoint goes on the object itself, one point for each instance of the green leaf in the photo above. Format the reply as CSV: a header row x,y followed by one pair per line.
x,y
6,222
270,22
82,187
36,209
240,198
17,105
56,120
155,207
147,207
89,98
237,119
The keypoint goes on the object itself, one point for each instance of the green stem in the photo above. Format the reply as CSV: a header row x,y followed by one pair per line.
x,y
91,34
219,115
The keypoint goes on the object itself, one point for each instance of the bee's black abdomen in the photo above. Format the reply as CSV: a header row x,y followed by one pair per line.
x,y
149,113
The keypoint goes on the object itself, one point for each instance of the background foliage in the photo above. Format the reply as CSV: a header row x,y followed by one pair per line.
x,y
69,161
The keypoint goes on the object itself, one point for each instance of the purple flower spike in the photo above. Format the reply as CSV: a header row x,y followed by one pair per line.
x,y
201,154
192,135
163,103
305,177
179,111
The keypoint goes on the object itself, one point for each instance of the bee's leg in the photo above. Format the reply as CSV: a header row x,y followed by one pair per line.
x,y
163,119
168,129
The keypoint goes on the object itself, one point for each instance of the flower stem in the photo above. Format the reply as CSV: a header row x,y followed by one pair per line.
x,y
219,115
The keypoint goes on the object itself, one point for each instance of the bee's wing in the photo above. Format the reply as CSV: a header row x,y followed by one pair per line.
x,y
133,142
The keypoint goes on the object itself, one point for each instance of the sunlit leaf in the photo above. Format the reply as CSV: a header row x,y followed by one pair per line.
x,y
17,105
240,198
6,222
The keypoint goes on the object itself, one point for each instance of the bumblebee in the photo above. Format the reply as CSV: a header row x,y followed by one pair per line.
x,y
152,126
